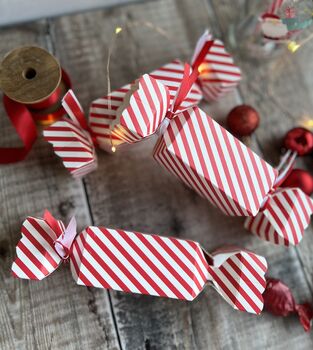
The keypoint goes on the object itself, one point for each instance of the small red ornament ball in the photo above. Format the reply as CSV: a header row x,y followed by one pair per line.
x,y
243,120
301,179
299,140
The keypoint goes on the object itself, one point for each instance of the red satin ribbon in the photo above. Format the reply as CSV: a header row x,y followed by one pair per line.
x,y
57,226
80,117
50,101
25,127
22,118
201,56
78,113
189,79
184,88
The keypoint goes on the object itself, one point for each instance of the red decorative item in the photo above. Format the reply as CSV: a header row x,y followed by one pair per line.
x,y
243,120
155,265
299,140
33,84
290,12
279,300
301,179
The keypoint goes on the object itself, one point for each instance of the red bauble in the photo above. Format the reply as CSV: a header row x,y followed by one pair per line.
x,y
301,179
243,120
299,140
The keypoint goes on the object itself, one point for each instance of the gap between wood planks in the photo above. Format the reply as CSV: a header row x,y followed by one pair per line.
x,y
50,38
258,143
50,41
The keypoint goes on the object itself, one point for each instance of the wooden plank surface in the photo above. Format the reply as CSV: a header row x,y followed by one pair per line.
x,y
54,313
138,195
129,190
282,91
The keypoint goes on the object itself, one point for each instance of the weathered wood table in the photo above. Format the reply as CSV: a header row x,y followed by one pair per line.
x,y
131,191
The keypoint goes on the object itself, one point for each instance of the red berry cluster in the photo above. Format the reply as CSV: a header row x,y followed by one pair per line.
x,y
299,140
243,120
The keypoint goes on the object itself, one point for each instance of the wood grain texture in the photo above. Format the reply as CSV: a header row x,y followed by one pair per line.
x,y
29,74
129,190
281,89
13,12
284,99
56,313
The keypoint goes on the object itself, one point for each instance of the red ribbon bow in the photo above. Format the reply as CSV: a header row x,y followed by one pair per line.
x,y
22,117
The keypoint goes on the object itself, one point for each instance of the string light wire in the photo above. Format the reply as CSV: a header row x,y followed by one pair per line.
x,y
116,33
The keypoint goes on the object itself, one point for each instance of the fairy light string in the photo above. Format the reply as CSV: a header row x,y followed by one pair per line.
x,y
117,33
293,46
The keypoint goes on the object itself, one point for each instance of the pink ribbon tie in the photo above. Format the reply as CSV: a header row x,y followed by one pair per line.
x,y
63,244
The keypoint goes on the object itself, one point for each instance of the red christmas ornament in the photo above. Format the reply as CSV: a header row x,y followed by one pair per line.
x,y
301,179
279,300
299,140
243,120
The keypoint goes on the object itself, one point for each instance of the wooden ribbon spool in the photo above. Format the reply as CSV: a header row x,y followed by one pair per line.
x,y
32,76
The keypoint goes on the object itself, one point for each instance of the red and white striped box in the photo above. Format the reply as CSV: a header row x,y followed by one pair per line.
x,y
284,217
223,170
71,139
214,163
218,74
140,263
134,262
103,114
143,110
73,145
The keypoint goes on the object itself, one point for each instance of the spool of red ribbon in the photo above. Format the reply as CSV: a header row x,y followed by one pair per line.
x,y
33,84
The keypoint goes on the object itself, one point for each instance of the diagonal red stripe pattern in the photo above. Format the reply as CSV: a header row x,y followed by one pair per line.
x,y
36,257
104,111
141,263
218,72
168,267
284,218
214,163
239,277
147,106
73,145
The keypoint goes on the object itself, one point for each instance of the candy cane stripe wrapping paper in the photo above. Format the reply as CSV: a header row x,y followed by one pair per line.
x,y
223,170
220,168
200,152
104,111
218,75
143,110
213,162
284,218
71,140
139,263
